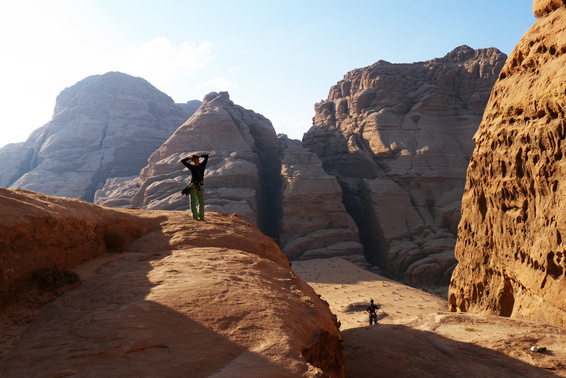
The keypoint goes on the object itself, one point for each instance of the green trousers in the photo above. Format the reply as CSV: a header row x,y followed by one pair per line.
x,y
196,193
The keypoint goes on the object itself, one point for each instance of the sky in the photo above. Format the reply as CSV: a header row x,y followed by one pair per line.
x,y
277,57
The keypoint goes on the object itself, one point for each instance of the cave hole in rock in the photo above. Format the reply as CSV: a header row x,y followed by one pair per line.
x,y
507,299
552,268
519,164
482,205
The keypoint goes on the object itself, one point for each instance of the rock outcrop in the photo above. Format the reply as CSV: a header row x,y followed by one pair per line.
x,y
270,181
510,249
104,126
399,137
314,222
164,297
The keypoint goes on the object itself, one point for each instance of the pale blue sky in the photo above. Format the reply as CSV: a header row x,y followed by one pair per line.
x,y
277,58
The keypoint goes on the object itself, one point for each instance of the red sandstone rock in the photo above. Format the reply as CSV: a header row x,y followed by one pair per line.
x,y
511,251
175,297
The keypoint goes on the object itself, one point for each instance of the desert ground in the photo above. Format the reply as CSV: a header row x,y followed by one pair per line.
x,y
416,337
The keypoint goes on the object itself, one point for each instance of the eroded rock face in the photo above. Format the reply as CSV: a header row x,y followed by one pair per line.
x,y
104,126
243,149
399,137
511,253
272,182
179,299
314,222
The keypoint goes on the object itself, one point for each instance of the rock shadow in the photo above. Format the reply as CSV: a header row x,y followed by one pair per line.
x,y
400,351
106,326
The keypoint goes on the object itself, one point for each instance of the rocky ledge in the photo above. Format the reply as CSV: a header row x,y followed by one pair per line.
x,y
93,291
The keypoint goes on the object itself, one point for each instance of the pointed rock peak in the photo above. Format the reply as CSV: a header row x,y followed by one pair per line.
x,y
464,52
460,53
217,99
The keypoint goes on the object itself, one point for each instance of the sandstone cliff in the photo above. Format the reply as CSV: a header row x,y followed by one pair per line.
x,y
104,126
398,138
511,253
270,181
164,297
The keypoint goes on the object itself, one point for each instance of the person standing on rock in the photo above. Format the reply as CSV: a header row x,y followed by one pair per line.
x,y
372,308
196,187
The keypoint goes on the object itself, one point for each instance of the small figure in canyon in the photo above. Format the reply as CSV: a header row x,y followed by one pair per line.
x,y
372,308
196,188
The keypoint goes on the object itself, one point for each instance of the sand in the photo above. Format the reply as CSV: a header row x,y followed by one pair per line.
x,y
416,337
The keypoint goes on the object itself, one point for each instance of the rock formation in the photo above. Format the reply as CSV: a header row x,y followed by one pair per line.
x,y
315,223
398,138
164,297
271,182
511,253
104,126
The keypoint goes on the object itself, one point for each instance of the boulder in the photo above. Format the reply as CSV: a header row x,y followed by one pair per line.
x,y
510,248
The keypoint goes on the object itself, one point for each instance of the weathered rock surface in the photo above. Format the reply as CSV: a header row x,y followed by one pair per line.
x,y
399,137
174,298
511,252
270,181
314,223
243,149
104,126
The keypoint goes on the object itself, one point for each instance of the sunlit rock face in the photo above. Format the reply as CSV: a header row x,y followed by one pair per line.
x,y
105,126
270,181
399,137
511,251
129,292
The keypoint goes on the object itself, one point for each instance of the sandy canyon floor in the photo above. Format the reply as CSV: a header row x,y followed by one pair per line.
x,y
416,337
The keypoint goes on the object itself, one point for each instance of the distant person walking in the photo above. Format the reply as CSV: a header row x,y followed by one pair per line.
x,y
196,187
372,308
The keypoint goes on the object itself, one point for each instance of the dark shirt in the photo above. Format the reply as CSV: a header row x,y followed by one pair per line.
x,y
197,171
372,308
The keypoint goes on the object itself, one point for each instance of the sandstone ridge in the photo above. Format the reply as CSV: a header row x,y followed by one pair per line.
x,y
511,251
158,295
398,138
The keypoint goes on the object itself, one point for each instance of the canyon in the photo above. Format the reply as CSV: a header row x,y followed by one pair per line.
x,y
376,180
444,171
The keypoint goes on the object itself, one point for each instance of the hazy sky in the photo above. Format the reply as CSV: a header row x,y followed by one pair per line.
x,y
275,57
